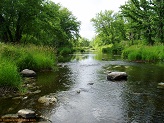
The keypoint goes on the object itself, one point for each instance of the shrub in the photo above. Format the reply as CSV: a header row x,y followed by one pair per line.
x,y
106,48
65,50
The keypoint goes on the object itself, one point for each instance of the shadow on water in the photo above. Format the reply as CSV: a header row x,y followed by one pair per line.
x,y
85,96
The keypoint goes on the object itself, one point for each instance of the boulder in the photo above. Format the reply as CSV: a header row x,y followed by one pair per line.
x,y
47,99
117,76
28,73
26,113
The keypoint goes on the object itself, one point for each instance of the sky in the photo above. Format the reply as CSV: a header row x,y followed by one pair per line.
x,y
85,10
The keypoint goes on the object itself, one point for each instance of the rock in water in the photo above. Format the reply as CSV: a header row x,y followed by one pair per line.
x,y
28,73
26,113
161,84
47,99
117,76
10,116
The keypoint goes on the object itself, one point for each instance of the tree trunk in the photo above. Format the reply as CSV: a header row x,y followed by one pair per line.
x,y
10,34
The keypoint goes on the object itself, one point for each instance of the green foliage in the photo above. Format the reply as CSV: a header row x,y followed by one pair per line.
x,y
31,57
106,49
109,27
146,53
65,50
144,20
9,75
38,22
83,42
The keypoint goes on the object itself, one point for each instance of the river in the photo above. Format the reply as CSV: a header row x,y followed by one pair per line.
x,y
86,96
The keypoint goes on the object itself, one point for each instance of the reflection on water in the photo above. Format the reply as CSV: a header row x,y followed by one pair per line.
x,y
85,96
134,101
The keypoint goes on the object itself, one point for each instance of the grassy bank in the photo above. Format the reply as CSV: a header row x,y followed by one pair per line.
x,y
15,58
145,53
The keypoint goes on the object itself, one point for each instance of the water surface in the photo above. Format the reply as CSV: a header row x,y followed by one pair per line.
x,y
86,96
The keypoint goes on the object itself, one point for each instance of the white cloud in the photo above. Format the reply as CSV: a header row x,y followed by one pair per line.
x,y
85,10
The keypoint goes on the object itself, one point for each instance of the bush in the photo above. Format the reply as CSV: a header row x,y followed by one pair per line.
x,y
65,50
106,48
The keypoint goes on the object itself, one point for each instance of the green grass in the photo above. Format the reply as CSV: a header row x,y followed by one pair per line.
x,y
146,53
31,56
14,58
9,75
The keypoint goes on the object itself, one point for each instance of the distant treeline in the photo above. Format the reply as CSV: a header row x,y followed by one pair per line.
x,y
137,22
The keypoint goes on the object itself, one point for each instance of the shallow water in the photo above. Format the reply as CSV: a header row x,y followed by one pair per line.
x,y
86,96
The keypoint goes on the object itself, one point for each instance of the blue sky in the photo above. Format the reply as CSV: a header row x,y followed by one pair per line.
x,y
85,10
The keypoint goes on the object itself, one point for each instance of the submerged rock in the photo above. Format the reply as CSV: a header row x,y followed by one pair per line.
x,y
10,116
26,113
91,83
78,91
47,99
28,73
117,76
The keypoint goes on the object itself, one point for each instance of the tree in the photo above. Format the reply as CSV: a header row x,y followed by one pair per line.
x,y
15,16
109,27
83,42
38,22
148,15
158,7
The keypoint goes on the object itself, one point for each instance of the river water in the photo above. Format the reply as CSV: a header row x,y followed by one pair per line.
x,y
86,96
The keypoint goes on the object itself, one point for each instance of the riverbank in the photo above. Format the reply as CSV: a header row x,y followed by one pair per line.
x,y
15,58
143,53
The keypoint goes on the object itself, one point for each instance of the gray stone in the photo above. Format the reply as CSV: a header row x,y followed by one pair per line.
x,y
10,116
28,73
47,99
78,91
161,84
17,98
36,92
91,83
117,76
26,113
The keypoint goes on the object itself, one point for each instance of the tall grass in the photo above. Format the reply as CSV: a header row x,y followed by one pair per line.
x,y
31,56
9,75
14,58
146,53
